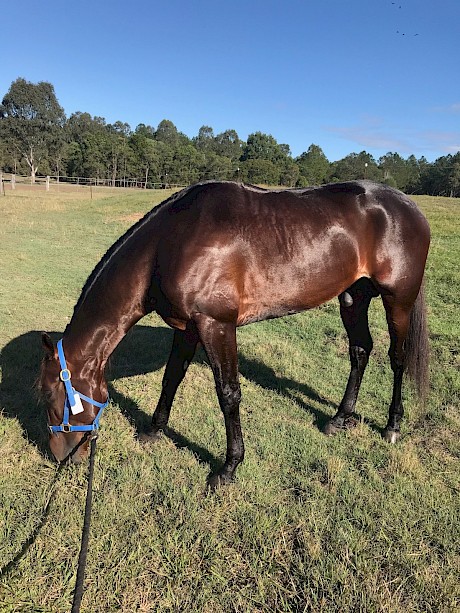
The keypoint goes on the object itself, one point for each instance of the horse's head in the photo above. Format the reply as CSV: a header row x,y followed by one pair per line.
x,y
74,392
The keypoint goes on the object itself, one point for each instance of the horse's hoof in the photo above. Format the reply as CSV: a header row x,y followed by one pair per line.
x,y
331,428
216,480
346,423
391,436
149,437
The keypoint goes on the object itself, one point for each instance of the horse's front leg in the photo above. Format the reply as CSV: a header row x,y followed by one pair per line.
x,y
219,341
182,352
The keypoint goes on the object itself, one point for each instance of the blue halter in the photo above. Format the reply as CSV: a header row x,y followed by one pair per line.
x,y
70,401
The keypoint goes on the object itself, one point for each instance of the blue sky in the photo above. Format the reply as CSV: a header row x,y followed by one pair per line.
x,y
346,75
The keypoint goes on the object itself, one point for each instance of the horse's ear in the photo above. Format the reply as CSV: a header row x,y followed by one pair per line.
x,y
48,345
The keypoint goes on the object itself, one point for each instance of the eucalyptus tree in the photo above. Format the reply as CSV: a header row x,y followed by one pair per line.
x,y
88,150
397,171
264,160
441,177
118,150
454,176
32,122
356,166
146,155
145,130
167,133
205,141
260,171
217,167
228,144
260,146
314,167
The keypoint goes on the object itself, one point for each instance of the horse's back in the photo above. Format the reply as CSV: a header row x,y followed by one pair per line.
x,y
246,254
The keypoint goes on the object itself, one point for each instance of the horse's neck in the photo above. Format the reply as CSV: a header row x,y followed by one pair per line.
x,y
112,305
98,338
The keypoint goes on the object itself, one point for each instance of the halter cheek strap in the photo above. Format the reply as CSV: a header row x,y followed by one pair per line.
x,y
71,401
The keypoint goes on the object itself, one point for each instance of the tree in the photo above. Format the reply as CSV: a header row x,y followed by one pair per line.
x,y
87,151
9,156
32,119
264,160
228,144
442,177
289,172
165,161
146,155
399,172
169,134
80,124
413,167
260,171
356,166
454,176
262,146
144,130
313,166
216,167
185,165
205,139
73,159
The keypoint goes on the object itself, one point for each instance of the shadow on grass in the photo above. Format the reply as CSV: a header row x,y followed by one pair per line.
x,y
20,363
263,375
145,349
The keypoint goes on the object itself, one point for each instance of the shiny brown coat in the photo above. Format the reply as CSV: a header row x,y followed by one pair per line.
x,y
221,255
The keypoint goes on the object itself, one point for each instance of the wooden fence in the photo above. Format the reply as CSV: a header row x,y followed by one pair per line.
x,y
58,183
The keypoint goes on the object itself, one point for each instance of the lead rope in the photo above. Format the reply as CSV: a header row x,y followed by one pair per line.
x,y
78,591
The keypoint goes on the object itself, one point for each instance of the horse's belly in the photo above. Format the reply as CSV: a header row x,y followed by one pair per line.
x,y
285,296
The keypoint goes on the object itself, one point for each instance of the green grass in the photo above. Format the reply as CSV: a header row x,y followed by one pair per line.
x,y
348,523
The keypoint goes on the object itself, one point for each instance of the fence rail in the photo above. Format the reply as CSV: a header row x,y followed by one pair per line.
x,y
55,182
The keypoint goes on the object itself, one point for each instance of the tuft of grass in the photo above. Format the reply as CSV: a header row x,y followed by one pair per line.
x,y
347,523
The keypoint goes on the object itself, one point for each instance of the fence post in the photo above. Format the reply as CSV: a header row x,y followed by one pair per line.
x,y
13,181
47,184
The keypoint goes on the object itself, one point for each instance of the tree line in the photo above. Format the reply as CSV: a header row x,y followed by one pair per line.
x,y
36,138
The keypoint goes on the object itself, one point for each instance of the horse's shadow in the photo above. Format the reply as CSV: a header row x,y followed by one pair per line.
x,y
145,349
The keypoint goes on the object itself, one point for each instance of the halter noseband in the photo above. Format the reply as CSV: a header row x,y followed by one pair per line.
x,y
71,401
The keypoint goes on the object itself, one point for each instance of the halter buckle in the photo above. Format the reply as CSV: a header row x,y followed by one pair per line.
x,y
65,375
66,428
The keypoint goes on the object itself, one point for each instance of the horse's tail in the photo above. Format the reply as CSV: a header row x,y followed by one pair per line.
x,y
417,346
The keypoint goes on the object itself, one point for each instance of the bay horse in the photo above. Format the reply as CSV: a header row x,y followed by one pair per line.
x,y
219,255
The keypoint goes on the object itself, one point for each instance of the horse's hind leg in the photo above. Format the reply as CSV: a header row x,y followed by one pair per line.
x,y
182,352
354,305
398,317
219,341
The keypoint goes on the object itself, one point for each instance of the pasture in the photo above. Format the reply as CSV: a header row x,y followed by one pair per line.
x,y
312,523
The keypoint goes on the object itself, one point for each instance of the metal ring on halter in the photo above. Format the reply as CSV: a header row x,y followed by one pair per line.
x,y
65,375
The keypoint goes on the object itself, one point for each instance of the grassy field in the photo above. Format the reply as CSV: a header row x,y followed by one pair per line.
x,y
312,523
